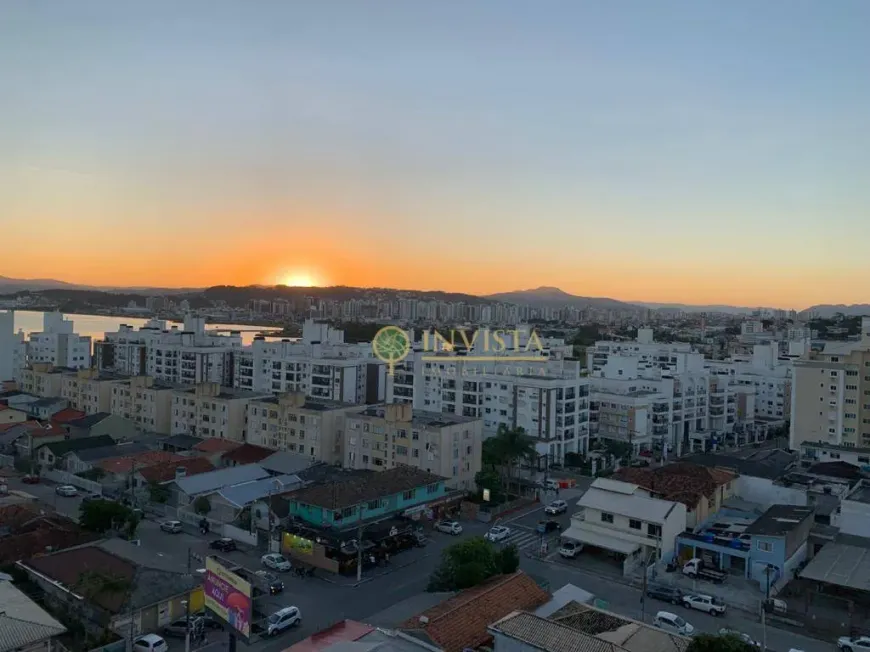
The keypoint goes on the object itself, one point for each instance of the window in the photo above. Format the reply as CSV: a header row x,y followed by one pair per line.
x,y
432,488
606,518
654,530
634,524
764,546
408,495
374,504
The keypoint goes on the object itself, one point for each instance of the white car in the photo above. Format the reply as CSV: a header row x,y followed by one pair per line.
x,y
570,549
282,619
173,527
556,507
449,527
67,491
150,643
706,603
276,562
497,533
857,644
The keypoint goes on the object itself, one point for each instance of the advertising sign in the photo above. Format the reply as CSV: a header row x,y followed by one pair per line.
x,y
228,596
297,544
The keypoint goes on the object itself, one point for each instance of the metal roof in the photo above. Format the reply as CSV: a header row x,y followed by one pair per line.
x,y
22,621
841,565
249,492
288,463
195,485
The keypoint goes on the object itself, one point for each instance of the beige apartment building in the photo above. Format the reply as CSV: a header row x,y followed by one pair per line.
x,y
300,424
385,436
146,402
42,379
89,390
831,395
209,410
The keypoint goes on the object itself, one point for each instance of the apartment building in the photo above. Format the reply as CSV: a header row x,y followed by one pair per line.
x,y
299,424
185,356
830,401
209,410
145,401
58,344
319,365
386,436
645,348
42,379
13,349
89,390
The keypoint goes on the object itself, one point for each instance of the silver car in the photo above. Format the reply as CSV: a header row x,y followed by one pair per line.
x,y
173,527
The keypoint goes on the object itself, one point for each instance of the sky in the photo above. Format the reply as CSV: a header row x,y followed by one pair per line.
x,y
672,151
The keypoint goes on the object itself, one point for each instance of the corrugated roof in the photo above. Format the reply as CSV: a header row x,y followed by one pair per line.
x,y
247,454
287,463
22,621
207,482
547,635
840,565
249,492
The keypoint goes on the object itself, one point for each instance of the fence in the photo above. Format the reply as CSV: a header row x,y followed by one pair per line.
x,y
63,477
240,535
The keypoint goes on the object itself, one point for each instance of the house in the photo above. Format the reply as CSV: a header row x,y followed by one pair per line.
x,y
185,490
285,463
9,415
103,423
245,454
45,408
213,448
227,502
461,622
49,455
765,547
24,625
124,465
579,627
623,520
66,415
180,443
108,583
28,531
17,400
82,460
29,435
360,636
840,569
165,472
701,489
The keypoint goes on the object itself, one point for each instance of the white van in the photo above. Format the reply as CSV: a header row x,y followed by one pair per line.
x,y
673,623
552,485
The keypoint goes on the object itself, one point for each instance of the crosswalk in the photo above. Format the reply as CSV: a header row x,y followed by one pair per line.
x,y
524,539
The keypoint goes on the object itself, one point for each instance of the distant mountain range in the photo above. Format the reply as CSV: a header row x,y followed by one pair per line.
x,y
682,307
550,297
12,285
826,311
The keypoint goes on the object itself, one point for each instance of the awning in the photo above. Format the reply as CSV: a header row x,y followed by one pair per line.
x,y
599,540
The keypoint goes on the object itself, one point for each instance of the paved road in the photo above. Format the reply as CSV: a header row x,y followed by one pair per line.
x,y
45,492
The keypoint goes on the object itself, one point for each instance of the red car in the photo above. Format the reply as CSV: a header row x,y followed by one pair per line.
x,y
30,479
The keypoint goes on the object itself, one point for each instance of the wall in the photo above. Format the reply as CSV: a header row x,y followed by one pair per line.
x,y
62,477
671,528
509,644
855,518
240,535
766,493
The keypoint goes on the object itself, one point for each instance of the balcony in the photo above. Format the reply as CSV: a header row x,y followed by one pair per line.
x,y
722,545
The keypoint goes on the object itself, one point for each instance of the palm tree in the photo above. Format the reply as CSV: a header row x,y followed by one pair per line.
x,y
512,445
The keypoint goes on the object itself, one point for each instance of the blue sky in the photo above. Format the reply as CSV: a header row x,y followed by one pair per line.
x,y
657,137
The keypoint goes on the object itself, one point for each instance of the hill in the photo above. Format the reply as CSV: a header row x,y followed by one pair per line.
x,y
826,311
555,298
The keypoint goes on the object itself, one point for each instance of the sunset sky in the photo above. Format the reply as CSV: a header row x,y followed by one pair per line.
x,y
680,151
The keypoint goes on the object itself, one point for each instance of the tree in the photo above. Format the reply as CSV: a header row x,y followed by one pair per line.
x,y
103,515
94,583
719,643
472,562
201,506
512,445
158,493
488,479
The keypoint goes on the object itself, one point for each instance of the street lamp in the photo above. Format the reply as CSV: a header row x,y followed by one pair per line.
x,y
186,604
767,571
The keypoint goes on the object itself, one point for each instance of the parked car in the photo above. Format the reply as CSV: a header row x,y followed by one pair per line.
x,y
746,638
545,527
667,593
282,619
224,545
30,479
269,582
173,527
570,549
696,568
178,628
449,527
673,623
497,533
556,507
150,643
708,603
208,620
856,644
67,491
276,562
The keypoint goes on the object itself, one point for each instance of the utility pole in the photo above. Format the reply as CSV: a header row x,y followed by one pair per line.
x,y
359,546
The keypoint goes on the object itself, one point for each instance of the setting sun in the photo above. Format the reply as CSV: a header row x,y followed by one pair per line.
x,y
299,279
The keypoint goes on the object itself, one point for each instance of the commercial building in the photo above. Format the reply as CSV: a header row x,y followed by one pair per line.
x,y
186,356
394,435
89,390
145,401
58,344
830,401
209,410
300,424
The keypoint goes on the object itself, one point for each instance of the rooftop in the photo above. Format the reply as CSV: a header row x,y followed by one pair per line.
x,y
286,463
779,520
246,454
129,463
346,630
357,489
66,415
216,445
461,622
94,455
23,622
605,498
680,482
46,402
60,448
842,565
215,480
181,442
419,419
861,493
757,464
311,404
246,493
89,421
166,471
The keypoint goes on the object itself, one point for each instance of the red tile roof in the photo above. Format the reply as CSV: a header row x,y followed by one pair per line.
x,y
461,622
215,445
31,533
682,482
51,431
126,464
346,630
66,415
165,471
27,424
247,454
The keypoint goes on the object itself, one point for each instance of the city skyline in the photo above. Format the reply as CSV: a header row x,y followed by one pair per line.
x,y
672,154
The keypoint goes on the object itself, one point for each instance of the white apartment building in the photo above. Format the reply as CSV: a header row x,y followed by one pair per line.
x,y
299,424
382,437
89,390
209,410
13,348
58,344
645,348
145,401
830,401
319,365
183,356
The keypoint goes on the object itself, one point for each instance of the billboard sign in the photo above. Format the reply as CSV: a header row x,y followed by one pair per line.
x,y
297,544
228,596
